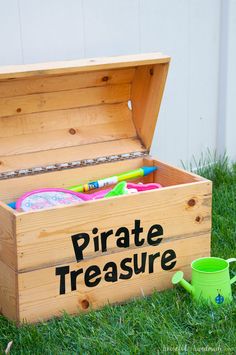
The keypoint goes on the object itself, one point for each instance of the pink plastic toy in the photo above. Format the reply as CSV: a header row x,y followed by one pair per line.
x,y
130,186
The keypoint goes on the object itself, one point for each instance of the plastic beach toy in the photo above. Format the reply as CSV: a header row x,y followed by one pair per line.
x,y
210,280
119,189
51,197
123,189
112,180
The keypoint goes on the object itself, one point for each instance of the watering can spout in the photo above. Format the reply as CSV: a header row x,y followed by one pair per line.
x,y
179,278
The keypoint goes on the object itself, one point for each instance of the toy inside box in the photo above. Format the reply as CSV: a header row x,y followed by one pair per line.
x,y
67,123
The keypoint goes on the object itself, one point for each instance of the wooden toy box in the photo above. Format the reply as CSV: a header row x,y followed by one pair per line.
x,y
67,123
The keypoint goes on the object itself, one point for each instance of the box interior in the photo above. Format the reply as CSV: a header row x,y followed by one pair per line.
x,y
166,175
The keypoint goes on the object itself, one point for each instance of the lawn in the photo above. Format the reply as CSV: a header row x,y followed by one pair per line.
x,y
167,322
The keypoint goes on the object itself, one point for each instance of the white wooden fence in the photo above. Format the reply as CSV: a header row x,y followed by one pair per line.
x,y
199,105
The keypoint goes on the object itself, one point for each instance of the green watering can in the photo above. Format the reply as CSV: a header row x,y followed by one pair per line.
x,y
210,280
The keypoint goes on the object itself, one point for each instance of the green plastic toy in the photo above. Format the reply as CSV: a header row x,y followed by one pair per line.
x,y
119,189
210,280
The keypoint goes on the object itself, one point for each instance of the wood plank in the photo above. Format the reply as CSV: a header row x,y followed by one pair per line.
x,y
62,155
8,292
61,119
146,95
81,135
19,87
39,289
8,254
37,234
64,100
74,66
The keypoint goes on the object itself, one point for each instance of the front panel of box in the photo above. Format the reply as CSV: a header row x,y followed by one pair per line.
x,y
106,251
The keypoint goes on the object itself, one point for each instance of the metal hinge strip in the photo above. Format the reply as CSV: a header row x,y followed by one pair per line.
x,y
71,165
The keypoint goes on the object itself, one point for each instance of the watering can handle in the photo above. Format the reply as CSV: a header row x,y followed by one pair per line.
x,y
233,278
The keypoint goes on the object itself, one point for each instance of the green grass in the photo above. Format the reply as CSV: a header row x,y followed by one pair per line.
x,y
167,322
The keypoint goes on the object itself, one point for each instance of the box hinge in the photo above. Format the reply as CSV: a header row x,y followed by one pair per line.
x,y
71,165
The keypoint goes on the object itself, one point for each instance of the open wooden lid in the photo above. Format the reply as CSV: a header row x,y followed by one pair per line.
x,y
65,111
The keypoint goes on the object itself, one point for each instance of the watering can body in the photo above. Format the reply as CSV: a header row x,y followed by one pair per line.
x,y
210,280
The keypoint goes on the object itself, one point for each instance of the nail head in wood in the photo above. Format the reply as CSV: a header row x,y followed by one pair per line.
x,y
105,78
191,202
85,304
198,219
72,131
